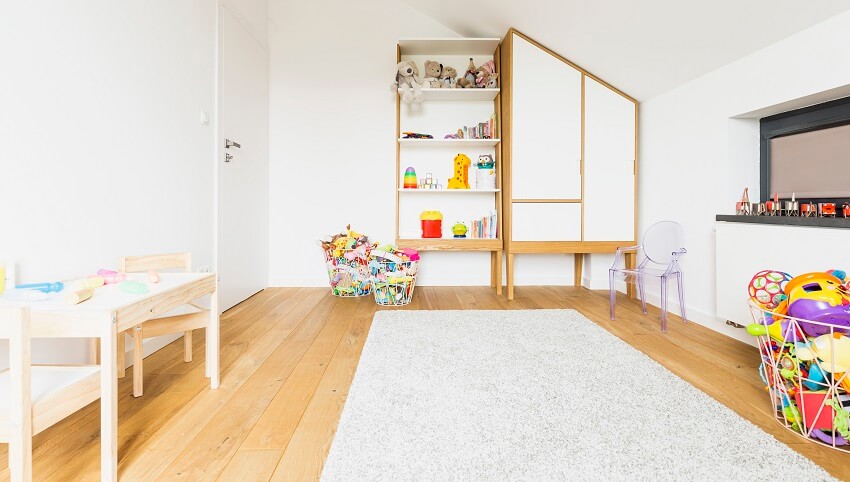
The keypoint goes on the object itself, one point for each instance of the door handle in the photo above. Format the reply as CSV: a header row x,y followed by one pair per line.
x,y
228,144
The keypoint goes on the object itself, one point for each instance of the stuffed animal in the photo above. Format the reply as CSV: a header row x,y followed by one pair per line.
x,y
483,73
493,82
449,77
433,73
468,79
407,79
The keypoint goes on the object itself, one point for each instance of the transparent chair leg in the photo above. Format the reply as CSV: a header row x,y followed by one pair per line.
x,y
642,293
663,303
681,281
612,292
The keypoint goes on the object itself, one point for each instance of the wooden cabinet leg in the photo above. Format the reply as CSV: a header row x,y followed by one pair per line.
x,y
510,275
492,269
498,272
630,264
94,351
187,346
579,266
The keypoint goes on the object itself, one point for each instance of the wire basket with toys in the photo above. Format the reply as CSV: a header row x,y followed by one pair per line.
x,y
393,274
803,329
347,262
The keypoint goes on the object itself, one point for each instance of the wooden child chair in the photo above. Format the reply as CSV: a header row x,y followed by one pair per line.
x,y
160,326
33,398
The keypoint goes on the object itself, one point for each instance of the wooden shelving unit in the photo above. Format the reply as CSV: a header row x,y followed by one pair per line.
x,y
442,112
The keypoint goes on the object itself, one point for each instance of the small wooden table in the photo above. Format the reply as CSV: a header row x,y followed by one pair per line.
x,y
111,311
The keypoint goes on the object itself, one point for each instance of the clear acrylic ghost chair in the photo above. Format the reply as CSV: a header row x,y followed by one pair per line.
x,y
663,244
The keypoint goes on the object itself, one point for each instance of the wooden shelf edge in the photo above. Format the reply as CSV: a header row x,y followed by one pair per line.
x,y
450,244
582,247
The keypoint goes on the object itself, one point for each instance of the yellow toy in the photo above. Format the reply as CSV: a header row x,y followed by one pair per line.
x,y
461,179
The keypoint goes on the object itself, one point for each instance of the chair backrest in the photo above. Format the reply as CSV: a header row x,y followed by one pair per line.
x,y
661,240
15,326
135,264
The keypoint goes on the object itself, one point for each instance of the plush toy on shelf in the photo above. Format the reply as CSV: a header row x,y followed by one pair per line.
x,y
483,74
461,170
449,77
433,72
468,79
407,79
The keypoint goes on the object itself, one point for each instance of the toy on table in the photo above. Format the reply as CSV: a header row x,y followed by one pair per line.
x,y
133,287
459,230
743,206
432,224
43,287
410,178
78,296
461,170
153,276
111,276
826,210
792,207
416,135
808,210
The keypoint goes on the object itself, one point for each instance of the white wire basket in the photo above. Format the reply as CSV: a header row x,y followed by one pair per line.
x,y
808,377
348,272
393,280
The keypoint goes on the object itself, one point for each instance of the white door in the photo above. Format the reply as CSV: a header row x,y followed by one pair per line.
x,y
546,123
609,164
243,191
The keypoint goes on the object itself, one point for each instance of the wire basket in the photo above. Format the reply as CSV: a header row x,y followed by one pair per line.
x,y
393,279
348,272
806,376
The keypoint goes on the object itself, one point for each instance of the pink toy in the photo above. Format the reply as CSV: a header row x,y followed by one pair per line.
x,y
411,254
153,276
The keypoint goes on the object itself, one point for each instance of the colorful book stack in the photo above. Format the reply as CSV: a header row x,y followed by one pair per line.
x,y
484,228
484,130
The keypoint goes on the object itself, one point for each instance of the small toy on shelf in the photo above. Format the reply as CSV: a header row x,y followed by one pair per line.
x,y
459,230
484,73
792,207
449,77
432,224
461,170
416,135
429,182
485,173
433,72
468,79
826,210
808,210
407,79
760,209
845,210
774,207
743,206
493,81
410,178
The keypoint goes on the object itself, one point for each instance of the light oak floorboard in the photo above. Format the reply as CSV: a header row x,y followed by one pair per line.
x,y
288,357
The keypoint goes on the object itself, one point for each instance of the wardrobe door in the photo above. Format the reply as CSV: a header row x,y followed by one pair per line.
x,y
546,125
609,164
546,222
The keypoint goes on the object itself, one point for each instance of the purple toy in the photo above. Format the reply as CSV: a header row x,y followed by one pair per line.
x,y
821,312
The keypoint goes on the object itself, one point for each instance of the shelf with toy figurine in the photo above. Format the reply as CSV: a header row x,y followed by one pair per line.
x,y
451,191
458,94
448,46
449,142
450,244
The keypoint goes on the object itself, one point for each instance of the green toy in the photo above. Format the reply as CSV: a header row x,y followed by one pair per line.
x,y
134,287
841,421
459,230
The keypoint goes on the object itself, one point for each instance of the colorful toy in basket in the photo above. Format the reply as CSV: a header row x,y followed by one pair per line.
x,y
346,261
393,274
821,298
767,287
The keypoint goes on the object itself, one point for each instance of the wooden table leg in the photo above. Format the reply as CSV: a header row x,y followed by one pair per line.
x,y
212,360
109,403
510,275
579,267
492,269
630,264
121,348
138,362
498,272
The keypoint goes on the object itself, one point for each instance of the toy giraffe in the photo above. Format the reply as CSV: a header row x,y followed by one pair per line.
x,y
461,179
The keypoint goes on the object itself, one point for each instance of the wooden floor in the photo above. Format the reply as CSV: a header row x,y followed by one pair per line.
x,y
288,357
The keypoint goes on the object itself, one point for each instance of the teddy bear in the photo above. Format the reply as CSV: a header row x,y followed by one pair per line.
x,y
468,79
449,77
407,79
483,73
433,72
493,81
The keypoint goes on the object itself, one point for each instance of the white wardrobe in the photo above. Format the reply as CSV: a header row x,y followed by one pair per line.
x,y
569,157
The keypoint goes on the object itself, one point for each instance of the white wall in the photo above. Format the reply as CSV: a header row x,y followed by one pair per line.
x,y
332,142
103,151
699,145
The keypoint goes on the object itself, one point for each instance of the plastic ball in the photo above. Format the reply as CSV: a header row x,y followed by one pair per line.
x,y
767,287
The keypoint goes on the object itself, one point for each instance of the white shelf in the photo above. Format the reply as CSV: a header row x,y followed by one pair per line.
x,y
469,95
448,46
448,142
452,191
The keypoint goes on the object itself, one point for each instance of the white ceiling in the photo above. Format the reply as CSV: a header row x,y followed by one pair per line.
x,y
643,47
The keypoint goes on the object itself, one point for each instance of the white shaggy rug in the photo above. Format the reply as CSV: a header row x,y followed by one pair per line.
x,y
535,395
